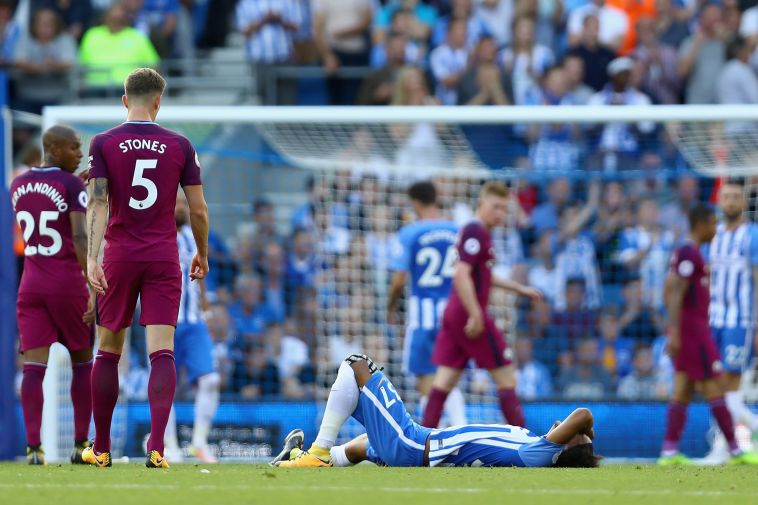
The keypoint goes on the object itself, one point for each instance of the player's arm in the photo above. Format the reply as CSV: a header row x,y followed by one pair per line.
x,y
97,218
673,297
464,288
79,238
200,229
397,286
518,288
579,422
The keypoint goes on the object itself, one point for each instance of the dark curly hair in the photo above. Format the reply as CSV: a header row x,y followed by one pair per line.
x,y
579,456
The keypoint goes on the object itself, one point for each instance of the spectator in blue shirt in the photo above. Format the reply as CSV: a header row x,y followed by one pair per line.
x,y
301,262
250,313
461,9
273,271
534,382
424,19
546,214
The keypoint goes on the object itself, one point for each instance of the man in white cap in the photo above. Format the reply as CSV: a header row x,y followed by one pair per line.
x,y
618,144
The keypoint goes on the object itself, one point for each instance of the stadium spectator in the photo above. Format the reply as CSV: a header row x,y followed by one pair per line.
x,y
290,355
577,320
377,87
645,250
548,17
42,61
269,27
638,321
220,327
615,350
585,379
255,376
611,219
674,213
613,24
423,19
76,14
619,144
595,55
498,19
301,262
273,270
9,32
249,312
448,62
545,216
109,52
461,9
547,344
401,24
264,230
341,34
156,19
702,55
577,92
332,238
525,61
671,29
737,82
644,382
534,381
542,273
484,83
657,65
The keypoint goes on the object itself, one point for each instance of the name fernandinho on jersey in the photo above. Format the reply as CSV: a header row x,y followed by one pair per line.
x,y
134,144
41,188
437,235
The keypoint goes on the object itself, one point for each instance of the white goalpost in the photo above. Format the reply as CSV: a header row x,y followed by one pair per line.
x,y
361,159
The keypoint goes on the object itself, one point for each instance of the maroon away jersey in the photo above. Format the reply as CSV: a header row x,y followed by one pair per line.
x,y
688,263
144,164
474,247
42,199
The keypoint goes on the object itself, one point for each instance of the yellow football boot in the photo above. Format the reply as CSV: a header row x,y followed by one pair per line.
x,y
155,460
101,460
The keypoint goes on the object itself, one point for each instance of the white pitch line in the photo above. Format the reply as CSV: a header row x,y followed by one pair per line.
x,y
433,490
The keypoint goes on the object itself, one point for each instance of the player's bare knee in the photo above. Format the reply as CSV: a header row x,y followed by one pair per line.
x,y
362,372
81,356
37,355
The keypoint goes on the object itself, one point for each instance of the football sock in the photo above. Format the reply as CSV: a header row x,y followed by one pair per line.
x,y
32,400
455,407
735,402
170,438
206,403
724,420
434,406
339,457
104,397
161,387
677,417
81,398
342,402
511,407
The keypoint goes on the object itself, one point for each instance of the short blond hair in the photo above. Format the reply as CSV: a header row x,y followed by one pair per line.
x,y
494,188
144,82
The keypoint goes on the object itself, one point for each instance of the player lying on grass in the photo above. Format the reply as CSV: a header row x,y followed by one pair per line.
x,y
392,438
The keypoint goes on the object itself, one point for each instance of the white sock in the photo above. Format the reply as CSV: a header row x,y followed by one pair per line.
x,y
206,403
339,457
455,407
169,437
735,402
422,406
343,399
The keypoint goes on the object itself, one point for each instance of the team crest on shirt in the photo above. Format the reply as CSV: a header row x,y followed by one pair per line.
x,y
686,268
472,246
508,354
718,367
197,161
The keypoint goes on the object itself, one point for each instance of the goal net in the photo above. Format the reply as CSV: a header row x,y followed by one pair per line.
x,y
580,177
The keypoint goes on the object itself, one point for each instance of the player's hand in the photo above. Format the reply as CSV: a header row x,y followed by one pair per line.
x,y
199,268
474,326
89,316
533,294
96,277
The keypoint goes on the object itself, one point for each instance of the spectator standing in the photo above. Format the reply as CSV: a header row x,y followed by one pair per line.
x,y
525,61
586,379
534,381
595,56
113,49
657,65
448,62
42,61
669,27
341,32
484,83
157,19
498,19
644,382
545,215
377,87
674,213
737,82
613,24
76,14
702,55
610,222
9,32
548,17
268,27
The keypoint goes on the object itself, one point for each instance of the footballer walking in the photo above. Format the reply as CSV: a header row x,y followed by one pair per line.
x,y
136,169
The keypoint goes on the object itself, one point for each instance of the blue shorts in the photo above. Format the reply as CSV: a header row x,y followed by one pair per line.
x,y
193,349
393,438
735,347
417,352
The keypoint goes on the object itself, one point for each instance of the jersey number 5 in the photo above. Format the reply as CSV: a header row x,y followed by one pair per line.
x,y
433,275
26,222
140,180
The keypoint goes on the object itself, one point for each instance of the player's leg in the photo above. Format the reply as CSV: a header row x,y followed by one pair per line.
x,y
420,365
491,353
505,380
450,358
713,392
736,351
81,399
32,400
676,419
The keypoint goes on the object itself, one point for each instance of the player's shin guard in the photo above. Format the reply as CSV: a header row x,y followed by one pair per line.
x,y
434,406
160,393
104,397
511,407
206,403
32,400
81,398
677,417
342,402
725,422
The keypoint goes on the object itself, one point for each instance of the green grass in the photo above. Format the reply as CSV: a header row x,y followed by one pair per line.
x,y
368,485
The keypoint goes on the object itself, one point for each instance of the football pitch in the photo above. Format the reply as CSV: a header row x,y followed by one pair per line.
x,y
368,485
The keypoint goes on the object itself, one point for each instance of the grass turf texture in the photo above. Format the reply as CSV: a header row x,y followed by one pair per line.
x,y
368,485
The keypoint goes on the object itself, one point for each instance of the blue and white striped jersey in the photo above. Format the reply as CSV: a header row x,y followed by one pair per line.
x,y
426,251
272,43
655,265
189,306
732,255
491,445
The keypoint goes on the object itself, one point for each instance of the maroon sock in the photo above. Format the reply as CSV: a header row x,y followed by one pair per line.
x,y
104,397
434,407
160,392
677,417
81,398
725,422
32,400
511,407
